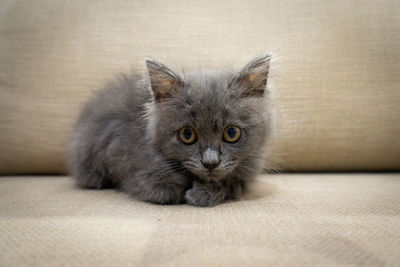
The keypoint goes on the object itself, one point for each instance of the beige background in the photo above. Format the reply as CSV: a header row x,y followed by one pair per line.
x,y
286,220
336,76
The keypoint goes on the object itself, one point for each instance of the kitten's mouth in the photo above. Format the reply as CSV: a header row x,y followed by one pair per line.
x,y
210,175
213,175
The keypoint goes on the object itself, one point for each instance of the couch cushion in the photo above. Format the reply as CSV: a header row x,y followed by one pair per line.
x,y
287,220
336,74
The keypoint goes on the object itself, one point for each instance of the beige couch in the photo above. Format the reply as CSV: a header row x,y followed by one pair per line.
x,y
337,97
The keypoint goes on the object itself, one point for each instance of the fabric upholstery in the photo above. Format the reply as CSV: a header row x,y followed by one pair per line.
x,y
286,220
336,72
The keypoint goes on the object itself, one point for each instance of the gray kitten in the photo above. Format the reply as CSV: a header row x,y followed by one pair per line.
x,y
171,139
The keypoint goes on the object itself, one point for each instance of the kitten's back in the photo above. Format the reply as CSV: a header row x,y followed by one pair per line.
x,y
109,123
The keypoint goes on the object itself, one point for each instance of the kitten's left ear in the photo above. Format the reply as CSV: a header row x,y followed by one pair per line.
x,y
251,81
164,82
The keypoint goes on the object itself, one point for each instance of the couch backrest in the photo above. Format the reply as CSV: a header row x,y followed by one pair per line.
x,y
336,76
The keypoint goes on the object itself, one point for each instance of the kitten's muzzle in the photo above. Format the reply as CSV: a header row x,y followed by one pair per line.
x,y
210,159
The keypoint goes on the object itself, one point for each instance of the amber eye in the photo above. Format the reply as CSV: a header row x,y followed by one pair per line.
x,y
187,135
231,134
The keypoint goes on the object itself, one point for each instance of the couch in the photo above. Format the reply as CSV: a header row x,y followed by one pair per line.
x,y
330,194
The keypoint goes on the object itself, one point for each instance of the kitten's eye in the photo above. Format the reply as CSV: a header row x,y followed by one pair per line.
x,y
231,134
187,135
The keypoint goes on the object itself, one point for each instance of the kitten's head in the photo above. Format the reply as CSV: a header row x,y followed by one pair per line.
x,y
211,122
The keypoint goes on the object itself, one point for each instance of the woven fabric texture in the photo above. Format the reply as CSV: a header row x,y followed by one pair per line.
x,y
286,220
336,70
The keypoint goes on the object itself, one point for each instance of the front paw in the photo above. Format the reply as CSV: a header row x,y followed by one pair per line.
x,y
160,191
167,194
202,196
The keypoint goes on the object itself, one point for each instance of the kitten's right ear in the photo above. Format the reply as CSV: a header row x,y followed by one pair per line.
x,y
164,82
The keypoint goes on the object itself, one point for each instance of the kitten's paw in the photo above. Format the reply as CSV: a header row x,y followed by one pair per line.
x,y
202,196
168,194
163,193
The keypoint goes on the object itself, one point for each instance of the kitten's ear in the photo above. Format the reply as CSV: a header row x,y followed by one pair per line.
x,y
251,81
164,82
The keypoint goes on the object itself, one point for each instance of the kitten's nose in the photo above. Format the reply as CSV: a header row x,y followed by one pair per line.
x,y
210,165
210,159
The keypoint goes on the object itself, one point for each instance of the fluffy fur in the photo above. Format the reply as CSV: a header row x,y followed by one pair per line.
x,y
127,135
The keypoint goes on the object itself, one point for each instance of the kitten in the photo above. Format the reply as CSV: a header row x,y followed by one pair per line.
x,y
171,139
